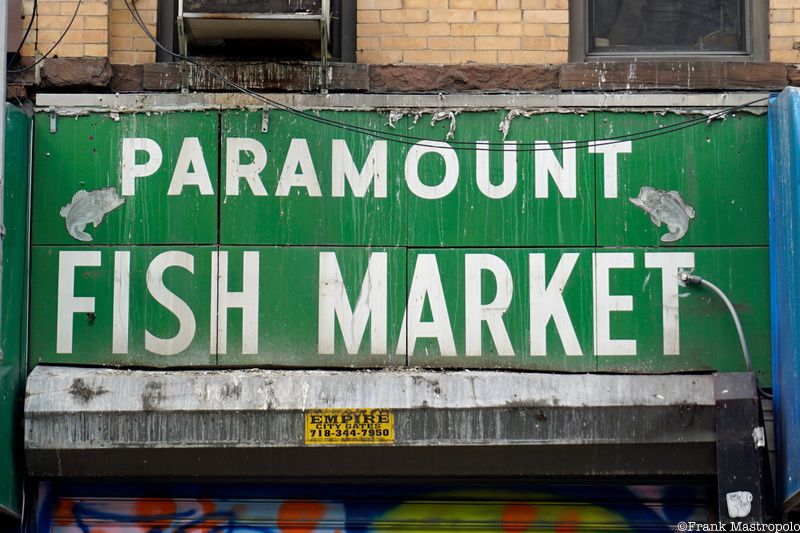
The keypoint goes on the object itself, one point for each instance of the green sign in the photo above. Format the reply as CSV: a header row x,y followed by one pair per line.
x,y
479,239
12,327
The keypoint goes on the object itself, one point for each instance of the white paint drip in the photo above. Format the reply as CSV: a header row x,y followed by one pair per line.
x,y
505,124
394,117
444,115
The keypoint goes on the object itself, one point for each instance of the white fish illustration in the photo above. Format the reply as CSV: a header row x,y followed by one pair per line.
x,y
89,207
665,207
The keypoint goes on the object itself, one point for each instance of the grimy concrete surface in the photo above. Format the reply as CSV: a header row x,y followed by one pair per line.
x,y
245,423
121,103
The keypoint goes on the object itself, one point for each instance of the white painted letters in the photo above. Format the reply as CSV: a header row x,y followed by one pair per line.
x,y
344,168
298,155
130,169
222,300
565,175
605,303
547,301
426,284
179,308
476,312
670,263
482,176
190,169
334,305
122,302
235,169
68,303
450,180
610,150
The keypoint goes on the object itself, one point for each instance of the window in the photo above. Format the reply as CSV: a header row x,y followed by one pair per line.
x,y
247,45
624,29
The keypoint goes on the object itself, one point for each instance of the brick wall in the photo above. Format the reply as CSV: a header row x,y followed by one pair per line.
x,y
389,31
129,44
460,31
784,22
102,28
88,35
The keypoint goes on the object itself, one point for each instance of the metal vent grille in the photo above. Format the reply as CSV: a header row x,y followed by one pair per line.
x,y
252,6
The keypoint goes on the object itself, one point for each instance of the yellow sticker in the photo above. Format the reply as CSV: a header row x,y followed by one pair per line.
x,y
349,426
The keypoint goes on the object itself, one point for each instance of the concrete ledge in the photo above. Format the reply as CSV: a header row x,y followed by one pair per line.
x,y
106,422
130,103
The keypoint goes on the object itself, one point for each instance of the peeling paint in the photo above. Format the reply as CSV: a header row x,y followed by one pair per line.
x,y
89,207
394,117
444,115
145,106
665,207
716,116
505,124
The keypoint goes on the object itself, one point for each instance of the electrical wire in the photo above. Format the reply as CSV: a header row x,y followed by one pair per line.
x,y
61,38
693,279
411,140
27,32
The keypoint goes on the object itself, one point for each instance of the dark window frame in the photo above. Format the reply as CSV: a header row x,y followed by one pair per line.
x,y
341,42
756,35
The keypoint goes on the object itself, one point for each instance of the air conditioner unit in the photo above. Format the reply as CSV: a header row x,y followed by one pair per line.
x,y
202,20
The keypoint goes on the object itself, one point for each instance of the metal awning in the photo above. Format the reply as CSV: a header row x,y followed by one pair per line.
x,y
240,423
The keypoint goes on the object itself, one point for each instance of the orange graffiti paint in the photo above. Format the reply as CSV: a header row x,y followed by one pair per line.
x,y
207,508
568,523
63,514
154,512
300,516
517,517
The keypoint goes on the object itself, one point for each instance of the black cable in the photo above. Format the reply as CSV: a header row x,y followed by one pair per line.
x,y
693,279
411,140
27,32
404,138
61,38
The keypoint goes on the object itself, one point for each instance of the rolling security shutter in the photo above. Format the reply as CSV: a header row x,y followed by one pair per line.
x,y
561,510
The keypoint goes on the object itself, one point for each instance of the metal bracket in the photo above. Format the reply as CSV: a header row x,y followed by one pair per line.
x,y
744,491
265,120
323,46
53,127
37,70
183,44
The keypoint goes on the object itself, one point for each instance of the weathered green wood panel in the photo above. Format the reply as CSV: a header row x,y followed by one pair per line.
x,y
320,192
719,169
306,194
88,153
527,214
14,314
708,339
88,296
441,330
623,310
290,287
